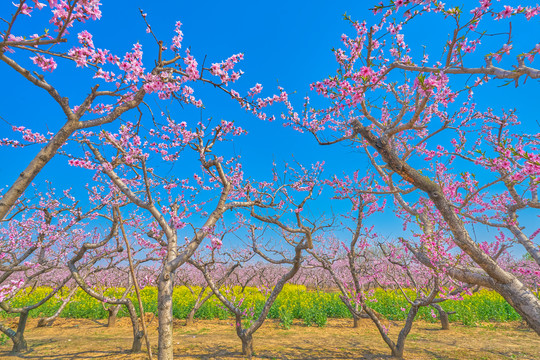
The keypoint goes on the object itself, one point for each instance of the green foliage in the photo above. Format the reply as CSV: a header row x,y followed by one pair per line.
x,y
3,339
294,302
483,306
286,317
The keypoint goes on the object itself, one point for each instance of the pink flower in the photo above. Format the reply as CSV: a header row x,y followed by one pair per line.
x,y
44,63
177,39
85,39
39,5
485,4
507,12
24,9
366,72
506,48
255,90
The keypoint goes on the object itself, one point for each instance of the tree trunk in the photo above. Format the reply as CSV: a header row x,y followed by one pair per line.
x,y
201,299
397,351
43,322
196,306
191,316
48,321
165,316
443,316
36,165
137,335
19,342
355,322
247,346
356,315
523,301
113,312
137,342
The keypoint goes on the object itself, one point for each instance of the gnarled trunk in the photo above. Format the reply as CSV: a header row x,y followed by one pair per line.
x,y
113,313
137,334
397,351
201,299
198,303
165,316
190,317
355,315
523,301
247,346
19,342
36,165
355,321
48,321
136,346
443,316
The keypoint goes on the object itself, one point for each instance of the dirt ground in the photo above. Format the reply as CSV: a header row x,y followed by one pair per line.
x,y
90,339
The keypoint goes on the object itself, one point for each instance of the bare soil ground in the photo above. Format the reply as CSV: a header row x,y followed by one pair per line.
x,y
211,339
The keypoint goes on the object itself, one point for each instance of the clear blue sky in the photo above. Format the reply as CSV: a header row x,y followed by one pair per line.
x,y
287,42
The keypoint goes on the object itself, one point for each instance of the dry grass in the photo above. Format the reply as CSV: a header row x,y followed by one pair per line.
x,y
88,339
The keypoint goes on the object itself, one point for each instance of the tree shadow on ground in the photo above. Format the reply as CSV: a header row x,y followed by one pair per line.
x,y
431,329
292,353
94,354
439,356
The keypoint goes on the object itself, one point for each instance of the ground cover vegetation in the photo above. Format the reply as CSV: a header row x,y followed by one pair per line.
x,y
294,303
171,222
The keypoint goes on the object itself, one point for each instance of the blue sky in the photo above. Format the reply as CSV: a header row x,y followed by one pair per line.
x,y
289,44
284,42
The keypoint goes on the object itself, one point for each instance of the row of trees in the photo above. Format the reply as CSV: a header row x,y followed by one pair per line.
x,y
437,161
227,275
